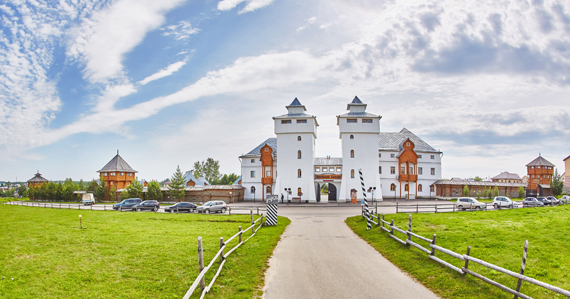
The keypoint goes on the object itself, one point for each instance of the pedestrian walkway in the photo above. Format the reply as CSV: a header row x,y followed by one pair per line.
x,y
320,257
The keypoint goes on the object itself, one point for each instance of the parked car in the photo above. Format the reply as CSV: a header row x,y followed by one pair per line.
x,y
532,202
544,200
212,207
88,199
127,204
553,200
151,205
565,199
181,207
464,203
504,202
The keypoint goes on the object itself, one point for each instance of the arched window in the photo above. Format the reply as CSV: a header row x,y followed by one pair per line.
x,y
351,136
406,187
298,138
299,173
268,190
299,154
420,188
299,191
393,187
352,173
252,189
352,153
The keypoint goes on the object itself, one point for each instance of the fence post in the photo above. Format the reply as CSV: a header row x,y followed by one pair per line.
x,y
417,208
466,260
251,213
519,282
239,229
257,211
433,242
201,263
230,212
382,219
396,206
91,206
392,227
221,248
453,207
409,228
435,208
377,217
69,206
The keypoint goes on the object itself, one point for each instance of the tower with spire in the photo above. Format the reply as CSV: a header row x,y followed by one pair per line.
x,y
117,174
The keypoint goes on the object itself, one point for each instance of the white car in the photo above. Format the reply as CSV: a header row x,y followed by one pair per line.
x,y
464,203
565,199
504,202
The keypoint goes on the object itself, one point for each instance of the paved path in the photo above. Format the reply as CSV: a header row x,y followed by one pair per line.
x,y
320,257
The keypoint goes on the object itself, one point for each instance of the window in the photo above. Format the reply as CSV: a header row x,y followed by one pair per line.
x,y
379,155
432,157
393,187
299,154
301,121
411,170
267,190
252,173
122,173
433,171
351,136
352,173
317,169
392,169
419,156
406,187
252,160
366,121
112,174
538,176
431,188
130,174
352,153
111,183
537,167
420,188
392,155
299,173
104,174
298,138
299,191
420,170
380,170
286,121
407,144
338,169
351,120
532,167
252,190
403,170
266,149
267,171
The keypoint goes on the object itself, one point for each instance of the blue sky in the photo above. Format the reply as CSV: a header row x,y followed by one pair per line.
x,y
172,82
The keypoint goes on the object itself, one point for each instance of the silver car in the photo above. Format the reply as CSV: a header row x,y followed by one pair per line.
x,y
504,202
464,203
214,206
565,199
532,202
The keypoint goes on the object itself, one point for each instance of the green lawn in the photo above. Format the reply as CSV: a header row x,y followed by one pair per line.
x,y
494,236
125,255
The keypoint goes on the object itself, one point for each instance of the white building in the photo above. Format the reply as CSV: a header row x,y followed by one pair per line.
x,y
392,164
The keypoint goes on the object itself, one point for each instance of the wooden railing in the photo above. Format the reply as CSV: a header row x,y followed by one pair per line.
x,y
431,251
200,280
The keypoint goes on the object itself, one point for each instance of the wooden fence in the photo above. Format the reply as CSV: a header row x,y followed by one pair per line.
x,y
200,280
443,207
392,229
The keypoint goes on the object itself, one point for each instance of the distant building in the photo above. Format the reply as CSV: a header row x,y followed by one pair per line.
x,y
454,188
117,174
539,173
190,180
507,177
37,181
566,174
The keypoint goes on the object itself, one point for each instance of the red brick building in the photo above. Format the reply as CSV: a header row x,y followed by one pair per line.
x,y
539,173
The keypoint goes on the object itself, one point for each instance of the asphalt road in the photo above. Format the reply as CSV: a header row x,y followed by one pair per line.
x,y
320,257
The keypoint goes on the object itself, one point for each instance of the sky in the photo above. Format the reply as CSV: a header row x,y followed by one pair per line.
x,y
171,82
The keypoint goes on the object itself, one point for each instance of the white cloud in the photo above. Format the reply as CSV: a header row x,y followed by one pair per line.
x,y
167,71
310,21
182,30
251,5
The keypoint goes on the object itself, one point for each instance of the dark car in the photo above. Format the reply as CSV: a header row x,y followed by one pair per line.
x,y
544,200
553,200
532,202
151,205
181,207
127,204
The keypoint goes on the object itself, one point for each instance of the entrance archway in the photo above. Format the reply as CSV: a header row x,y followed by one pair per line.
x,y
332,192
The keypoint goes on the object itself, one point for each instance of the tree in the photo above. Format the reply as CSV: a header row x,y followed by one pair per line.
x,y
210,169
176,186
478,179
135,189
557,185
465,190
23,191
124,194
226,179
496,191
81,186
153,191
521,192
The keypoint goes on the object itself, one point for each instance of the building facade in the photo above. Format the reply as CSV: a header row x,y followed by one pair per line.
x,y
117,174
539,172
447,189
507,177
37,181
392,164
566,175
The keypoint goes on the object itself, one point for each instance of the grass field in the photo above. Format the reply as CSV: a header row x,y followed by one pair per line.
x,y
44,254
495,236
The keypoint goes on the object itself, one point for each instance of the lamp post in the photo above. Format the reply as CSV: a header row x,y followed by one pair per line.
x,y
253,193
375,202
